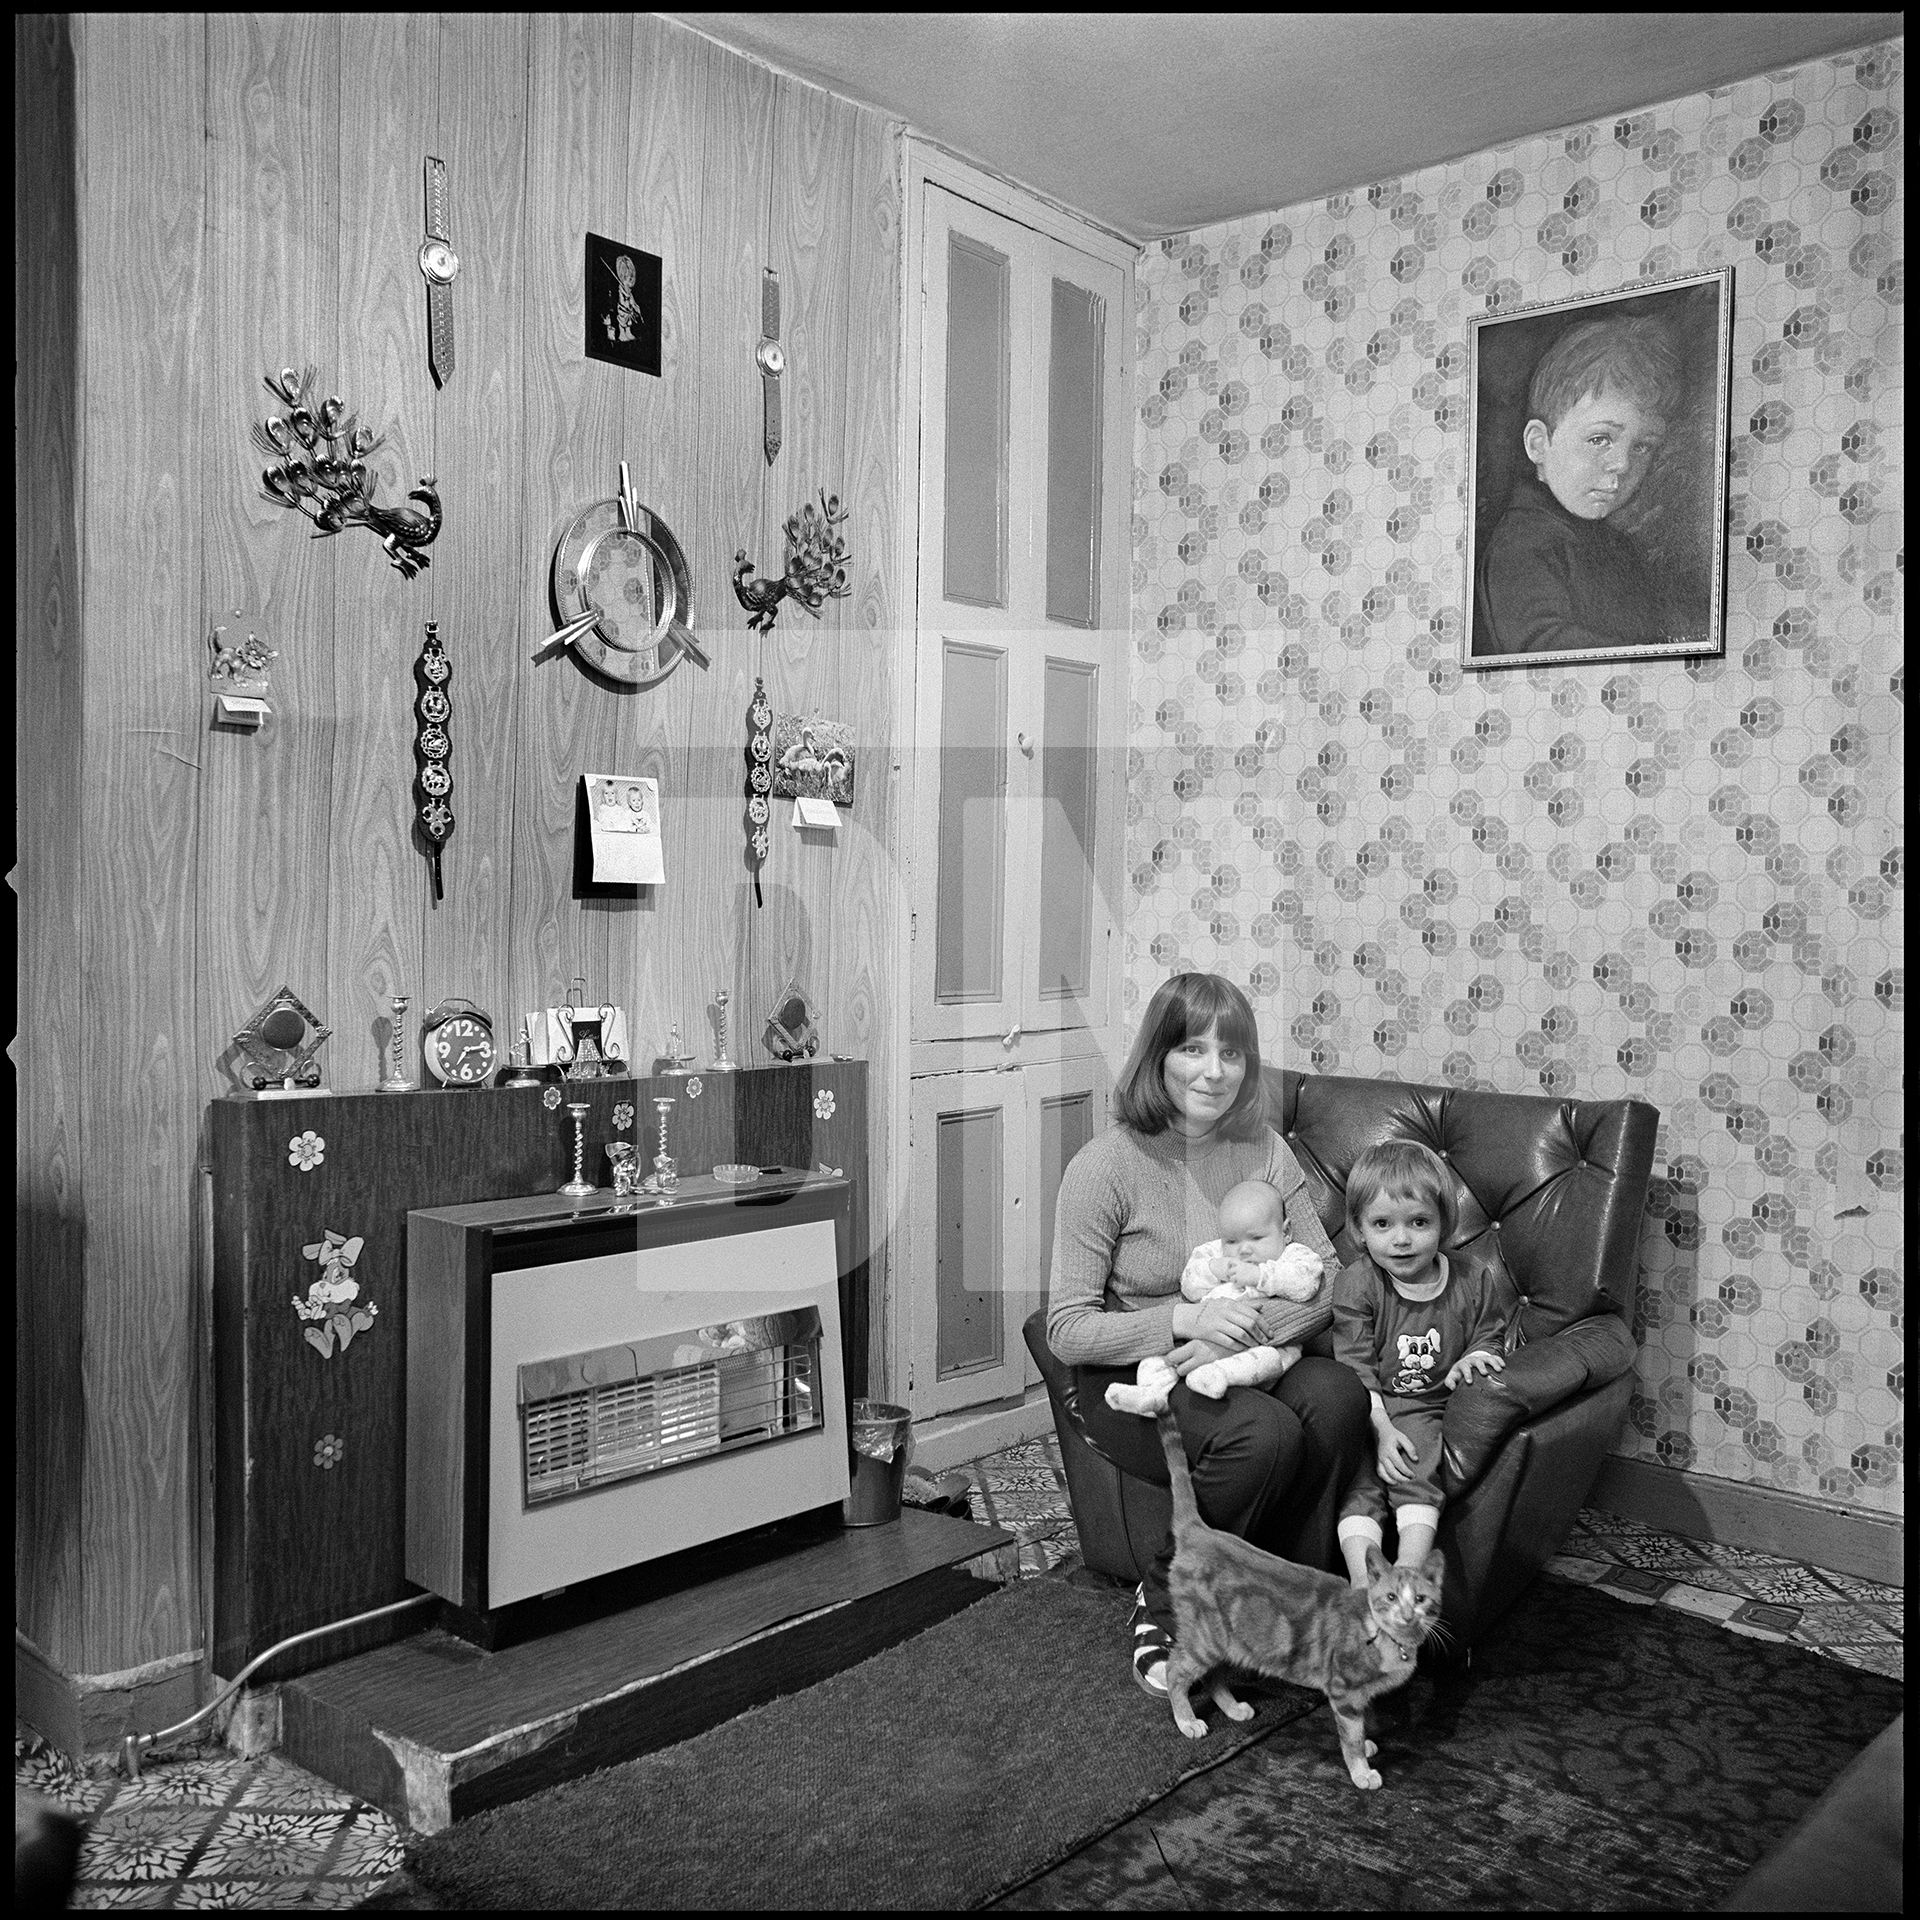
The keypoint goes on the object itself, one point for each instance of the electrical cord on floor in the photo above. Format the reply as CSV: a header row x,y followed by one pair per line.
x,y
137,1745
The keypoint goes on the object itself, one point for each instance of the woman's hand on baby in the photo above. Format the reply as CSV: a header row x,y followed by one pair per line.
x,y
1228,1324
1197,1353
1469,1364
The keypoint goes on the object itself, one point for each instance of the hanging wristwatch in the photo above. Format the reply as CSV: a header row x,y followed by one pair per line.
x,y
770,357
759,781
440,264
433,746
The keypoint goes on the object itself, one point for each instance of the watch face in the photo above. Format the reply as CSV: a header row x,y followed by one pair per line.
x,y
772,360
460,1051
438,261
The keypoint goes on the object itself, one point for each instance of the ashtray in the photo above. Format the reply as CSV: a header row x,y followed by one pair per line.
x,y
732,1174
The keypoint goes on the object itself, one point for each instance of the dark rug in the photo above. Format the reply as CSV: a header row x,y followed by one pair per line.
x,y
1597,1756
935,1775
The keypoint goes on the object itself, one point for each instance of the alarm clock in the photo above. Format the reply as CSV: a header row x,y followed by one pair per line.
x,y
457,1044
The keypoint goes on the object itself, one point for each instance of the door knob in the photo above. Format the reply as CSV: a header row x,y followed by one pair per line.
x,y
1012,1034
1025,743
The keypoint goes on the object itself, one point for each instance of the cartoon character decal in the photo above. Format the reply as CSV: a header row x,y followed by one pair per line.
x,y
333,1308
1419,1356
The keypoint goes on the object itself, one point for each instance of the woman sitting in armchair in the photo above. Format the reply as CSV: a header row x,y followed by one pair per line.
x,y
1270,1463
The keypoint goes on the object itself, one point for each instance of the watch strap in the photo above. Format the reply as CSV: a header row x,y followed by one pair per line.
x,y
770,423
770,413
437,199
440,330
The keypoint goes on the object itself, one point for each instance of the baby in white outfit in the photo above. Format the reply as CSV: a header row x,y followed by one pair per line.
x,y
1252,1256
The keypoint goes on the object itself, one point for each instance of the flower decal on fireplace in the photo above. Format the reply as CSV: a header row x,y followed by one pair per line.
x,y
623,1116
333,1309
823,1104
328,1451
306,1151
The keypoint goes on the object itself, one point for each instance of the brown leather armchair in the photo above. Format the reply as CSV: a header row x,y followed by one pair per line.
x,y
1552,1195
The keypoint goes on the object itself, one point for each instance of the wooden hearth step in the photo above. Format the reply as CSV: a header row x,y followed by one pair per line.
x,y
433,1728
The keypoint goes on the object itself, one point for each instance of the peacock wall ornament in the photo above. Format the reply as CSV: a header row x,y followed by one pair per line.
x,y
816,567
320,469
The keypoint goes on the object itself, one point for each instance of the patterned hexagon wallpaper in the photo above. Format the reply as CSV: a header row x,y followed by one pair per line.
x,y
1681,881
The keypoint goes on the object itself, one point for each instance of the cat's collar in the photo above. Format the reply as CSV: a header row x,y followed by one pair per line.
x,y
1377,1629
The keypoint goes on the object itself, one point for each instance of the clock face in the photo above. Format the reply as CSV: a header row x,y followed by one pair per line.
x,y
460,1051
633,580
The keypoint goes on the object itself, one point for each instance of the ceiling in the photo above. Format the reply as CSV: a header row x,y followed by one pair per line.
x,y
1158,123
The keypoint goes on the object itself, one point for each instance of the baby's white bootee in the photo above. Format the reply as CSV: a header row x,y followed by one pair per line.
x,y
1148,1394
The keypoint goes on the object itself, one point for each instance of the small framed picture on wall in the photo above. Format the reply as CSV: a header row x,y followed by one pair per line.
x,y
1597,512
623,305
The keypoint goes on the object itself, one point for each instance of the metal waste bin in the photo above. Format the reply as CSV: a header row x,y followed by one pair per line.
x,y
882,1439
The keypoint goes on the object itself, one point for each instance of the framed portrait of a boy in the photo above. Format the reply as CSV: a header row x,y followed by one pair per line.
x,y
1597,505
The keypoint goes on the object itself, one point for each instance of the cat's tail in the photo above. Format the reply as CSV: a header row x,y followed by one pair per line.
x,y
1186,1509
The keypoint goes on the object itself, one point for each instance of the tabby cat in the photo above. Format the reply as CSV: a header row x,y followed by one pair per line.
x,y
1235,1605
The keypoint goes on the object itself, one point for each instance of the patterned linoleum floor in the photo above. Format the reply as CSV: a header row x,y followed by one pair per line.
x,y
207,1829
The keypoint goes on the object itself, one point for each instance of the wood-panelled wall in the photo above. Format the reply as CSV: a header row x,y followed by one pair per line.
x,y
242,193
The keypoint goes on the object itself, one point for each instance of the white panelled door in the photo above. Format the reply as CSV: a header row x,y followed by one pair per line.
x,y
1025,455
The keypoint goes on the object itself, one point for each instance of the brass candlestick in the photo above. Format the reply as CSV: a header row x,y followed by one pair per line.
x,y
397,1081
579,1185
721,1062
666,1172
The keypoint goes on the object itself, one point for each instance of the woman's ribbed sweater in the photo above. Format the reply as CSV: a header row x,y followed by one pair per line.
x,y
1132,1207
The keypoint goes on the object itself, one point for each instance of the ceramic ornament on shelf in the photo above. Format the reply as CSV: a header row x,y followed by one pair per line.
x,y
278,1046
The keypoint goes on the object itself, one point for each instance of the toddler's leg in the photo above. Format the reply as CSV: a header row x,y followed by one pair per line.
x,y
1417,1500
1360,1516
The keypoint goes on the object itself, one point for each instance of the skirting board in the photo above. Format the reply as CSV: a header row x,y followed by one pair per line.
x,y
954,1439
1696,1506
89,1711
